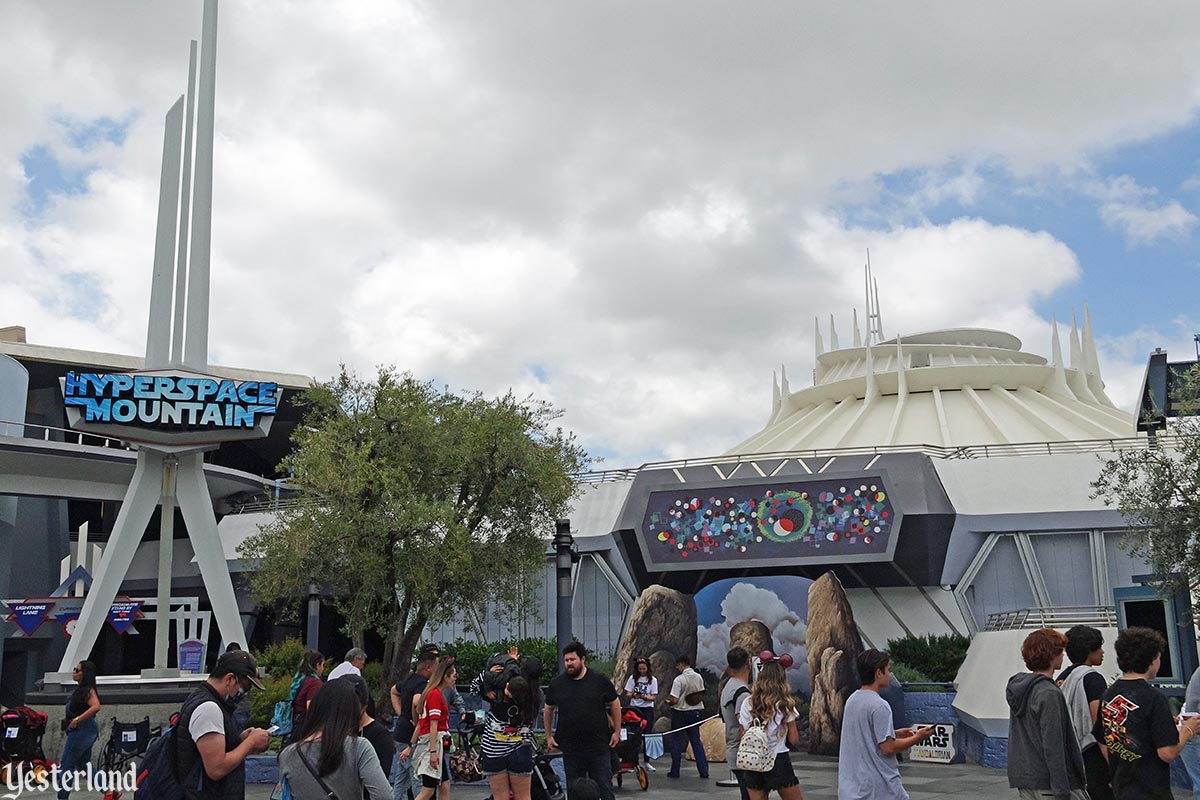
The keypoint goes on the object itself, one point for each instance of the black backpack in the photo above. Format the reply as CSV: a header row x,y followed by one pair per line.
x,y
159,777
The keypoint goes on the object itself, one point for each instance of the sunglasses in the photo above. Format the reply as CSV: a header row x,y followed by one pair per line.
x,y
785,660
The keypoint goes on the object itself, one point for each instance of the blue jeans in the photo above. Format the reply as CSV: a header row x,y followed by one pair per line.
x,y
1191,760
678,720
594,764
77,748
405,781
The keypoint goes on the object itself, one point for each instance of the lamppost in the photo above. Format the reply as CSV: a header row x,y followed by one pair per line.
x,y
564,559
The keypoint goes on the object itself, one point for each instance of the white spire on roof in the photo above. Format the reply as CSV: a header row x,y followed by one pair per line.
x,y
1092,360
775,403
1057,386
857,332
819,344
1077,378
833,337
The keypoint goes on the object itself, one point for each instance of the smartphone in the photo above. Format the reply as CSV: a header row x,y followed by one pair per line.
x,y
271,730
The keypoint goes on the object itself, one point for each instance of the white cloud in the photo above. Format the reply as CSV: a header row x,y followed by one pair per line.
x,y
629,201
1139,213
746,601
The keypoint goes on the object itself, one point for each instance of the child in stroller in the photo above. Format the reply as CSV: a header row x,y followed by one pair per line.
x,y
21,732
628,753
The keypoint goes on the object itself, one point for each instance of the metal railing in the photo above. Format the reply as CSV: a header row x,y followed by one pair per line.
x,y
49,433
1058,617
1080,446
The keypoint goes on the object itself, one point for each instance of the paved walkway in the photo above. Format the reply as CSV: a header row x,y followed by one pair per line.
x,y
818,781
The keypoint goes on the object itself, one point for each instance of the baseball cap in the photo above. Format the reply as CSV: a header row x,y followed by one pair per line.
x,y
240,663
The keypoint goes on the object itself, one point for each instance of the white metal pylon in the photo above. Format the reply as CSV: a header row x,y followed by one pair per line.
x,y
167,475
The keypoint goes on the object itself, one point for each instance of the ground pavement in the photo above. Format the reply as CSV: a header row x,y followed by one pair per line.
x,y
818,781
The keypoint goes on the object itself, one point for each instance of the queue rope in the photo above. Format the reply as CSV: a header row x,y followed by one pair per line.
x,y
685,727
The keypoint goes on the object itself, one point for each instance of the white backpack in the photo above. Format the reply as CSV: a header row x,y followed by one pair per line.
x,y
755,753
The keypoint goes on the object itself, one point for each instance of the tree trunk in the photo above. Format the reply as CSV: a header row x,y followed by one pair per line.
x,y
395,668
358,638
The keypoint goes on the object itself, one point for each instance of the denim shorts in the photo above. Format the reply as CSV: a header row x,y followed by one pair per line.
x,y
516,762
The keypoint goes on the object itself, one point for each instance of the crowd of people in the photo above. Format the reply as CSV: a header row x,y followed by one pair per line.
x,y
1072,736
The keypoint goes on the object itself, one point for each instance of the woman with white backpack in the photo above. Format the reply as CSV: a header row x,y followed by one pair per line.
x,y
768,720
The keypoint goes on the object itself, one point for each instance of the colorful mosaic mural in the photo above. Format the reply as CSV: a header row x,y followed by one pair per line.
x,y
787,520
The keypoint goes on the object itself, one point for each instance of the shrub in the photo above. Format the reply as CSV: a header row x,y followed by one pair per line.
x,y
937,657
472,657
906,674
281,660
262,703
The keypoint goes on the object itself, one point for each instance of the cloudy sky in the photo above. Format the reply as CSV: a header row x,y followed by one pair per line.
x,y
633,210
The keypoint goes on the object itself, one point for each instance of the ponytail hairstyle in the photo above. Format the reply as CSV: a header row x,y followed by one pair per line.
x,y
308,664
435,682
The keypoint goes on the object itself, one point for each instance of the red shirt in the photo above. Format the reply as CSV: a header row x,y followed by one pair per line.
x,y
308,688
435,710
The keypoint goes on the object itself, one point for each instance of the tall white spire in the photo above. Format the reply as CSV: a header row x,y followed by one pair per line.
x,y
1057,385
857,332
1092,359
833,337
874,322
775,403
1077,378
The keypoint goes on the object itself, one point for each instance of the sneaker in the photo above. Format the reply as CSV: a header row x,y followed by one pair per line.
x,y
650,767
672,774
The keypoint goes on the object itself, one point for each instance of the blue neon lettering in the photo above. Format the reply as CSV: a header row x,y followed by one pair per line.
x,y
169,400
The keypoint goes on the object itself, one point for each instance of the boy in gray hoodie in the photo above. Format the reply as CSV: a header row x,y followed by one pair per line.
x,y
1043,753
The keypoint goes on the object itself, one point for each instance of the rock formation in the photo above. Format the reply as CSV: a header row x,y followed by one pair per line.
x,y
712,736
662,626
752,635
833,645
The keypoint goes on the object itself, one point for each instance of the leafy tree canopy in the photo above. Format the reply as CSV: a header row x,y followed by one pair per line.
x,y
418,503
1157,490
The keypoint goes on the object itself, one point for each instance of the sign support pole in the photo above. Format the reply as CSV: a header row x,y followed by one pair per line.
x,y
166,549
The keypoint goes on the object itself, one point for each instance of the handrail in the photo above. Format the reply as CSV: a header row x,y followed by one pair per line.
x,y
1079,446
1057,617
81,438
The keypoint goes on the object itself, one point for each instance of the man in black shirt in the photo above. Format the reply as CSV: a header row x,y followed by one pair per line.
x,y
1083,687
1135,723
405,782
589,719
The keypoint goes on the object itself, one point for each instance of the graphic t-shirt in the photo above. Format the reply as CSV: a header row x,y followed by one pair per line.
x,y
864,772
435,710
639,687
582,705
1134,721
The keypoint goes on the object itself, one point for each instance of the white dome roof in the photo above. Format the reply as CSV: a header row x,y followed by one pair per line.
x,y
952,388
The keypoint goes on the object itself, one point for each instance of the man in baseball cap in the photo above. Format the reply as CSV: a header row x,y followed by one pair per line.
x,y
209,739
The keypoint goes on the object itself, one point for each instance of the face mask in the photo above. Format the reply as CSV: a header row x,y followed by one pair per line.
x,y
237,696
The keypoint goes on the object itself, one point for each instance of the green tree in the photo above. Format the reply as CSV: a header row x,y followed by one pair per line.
x,y
417,503
1157,491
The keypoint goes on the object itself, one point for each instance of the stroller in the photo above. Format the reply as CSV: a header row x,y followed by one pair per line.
x,y
465,762
545,784
21,732
129,740
628,753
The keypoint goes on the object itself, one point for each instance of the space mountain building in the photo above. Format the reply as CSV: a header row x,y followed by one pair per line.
x,y
943,477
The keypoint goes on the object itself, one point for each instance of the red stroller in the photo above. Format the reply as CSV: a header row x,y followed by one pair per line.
x,y
21,732
629,753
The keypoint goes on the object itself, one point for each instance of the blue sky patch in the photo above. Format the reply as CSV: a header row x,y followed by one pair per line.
x,y
46,177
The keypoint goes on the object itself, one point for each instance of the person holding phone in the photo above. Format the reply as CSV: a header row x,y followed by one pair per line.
x,y
642,690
